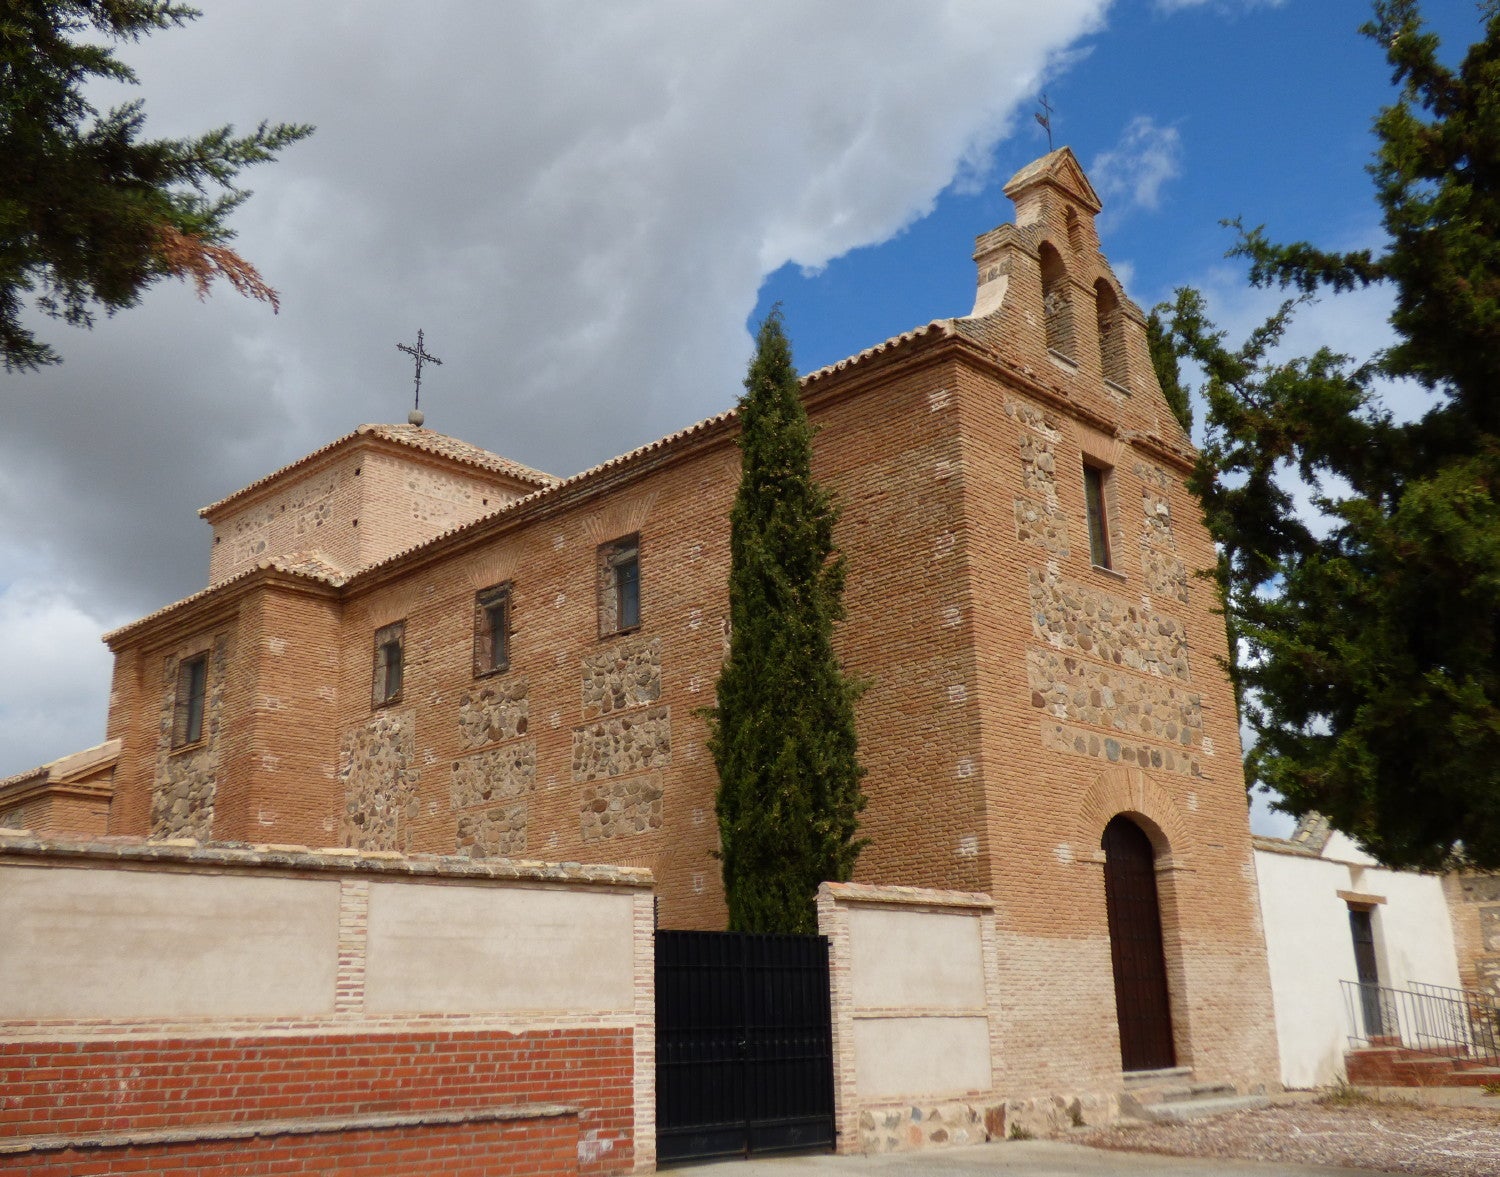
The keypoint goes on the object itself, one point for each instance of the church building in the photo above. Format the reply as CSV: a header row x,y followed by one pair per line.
x,y
410,645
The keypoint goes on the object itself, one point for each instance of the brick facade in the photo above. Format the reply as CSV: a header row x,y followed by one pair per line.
x,y
1019,695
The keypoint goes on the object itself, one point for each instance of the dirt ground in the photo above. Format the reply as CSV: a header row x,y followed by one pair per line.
x,y
1349,1129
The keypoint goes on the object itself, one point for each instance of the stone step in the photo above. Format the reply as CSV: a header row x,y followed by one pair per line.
x,y
1179,1111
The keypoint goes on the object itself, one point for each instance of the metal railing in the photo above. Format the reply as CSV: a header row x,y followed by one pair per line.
x,y
1432,1019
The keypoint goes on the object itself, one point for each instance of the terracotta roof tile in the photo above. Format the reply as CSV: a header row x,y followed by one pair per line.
x,y
415,437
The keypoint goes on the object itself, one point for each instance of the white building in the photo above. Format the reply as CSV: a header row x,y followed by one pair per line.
x,y
1332,914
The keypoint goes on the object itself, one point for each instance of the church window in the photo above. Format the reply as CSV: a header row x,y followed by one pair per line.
x,y
1095,479
1111,333
1057,306
620,585
390,649
491,630
192,687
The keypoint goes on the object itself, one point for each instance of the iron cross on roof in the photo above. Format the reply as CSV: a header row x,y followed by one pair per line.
x,y
1044,116
420,356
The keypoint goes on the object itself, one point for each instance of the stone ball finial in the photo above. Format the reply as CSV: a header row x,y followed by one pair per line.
x,y
415,417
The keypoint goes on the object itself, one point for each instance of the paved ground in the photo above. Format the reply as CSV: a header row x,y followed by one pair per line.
x,y
1433,1132
1021,1158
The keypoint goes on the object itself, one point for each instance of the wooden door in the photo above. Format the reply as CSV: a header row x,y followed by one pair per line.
x,y
1142,1006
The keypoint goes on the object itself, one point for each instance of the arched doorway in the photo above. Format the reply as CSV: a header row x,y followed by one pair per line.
x,y
1142,1006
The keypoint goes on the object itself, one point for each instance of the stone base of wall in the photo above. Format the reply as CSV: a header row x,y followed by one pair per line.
x,y
1050,1115
907,1126
490,1142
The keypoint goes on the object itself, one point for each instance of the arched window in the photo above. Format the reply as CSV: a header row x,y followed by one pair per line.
x,y
1111,333
1057,303
1142,1007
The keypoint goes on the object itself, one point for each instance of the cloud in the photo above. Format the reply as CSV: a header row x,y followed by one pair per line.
x,y
1131,174
1226,6
576,202
57,704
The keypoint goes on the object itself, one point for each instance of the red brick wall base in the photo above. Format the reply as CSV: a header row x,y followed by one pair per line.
x,y
491,1143
81,1088
1396,1067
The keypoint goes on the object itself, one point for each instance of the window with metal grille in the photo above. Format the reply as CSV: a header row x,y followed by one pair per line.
x,y
192,690
390,643
491,630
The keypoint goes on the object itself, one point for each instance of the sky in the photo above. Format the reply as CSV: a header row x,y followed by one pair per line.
x,y
587,207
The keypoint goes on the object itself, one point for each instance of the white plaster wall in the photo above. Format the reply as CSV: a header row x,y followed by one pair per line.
x,y
1309,949
453,948
921,1057
89,943
915,958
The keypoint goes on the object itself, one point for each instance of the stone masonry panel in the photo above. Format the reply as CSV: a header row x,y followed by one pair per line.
x,y
623,746
1039,519
492,833
1084,692
624,675
1165,574
500,774
1063,737
621,808
496,711
1069,616
378,771
182,800
1045,528
1156,530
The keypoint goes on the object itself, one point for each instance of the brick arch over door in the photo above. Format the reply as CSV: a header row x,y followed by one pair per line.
x,y
1129,790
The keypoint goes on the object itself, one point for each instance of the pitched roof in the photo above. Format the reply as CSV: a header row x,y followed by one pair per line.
x,y
1061,168
414,437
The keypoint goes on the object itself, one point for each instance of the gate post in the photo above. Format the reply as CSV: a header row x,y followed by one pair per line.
x,y
914,983
833,925
644,920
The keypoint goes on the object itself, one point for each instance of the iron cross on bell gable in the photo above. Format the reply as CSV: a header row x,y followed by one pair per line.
x,y
419,354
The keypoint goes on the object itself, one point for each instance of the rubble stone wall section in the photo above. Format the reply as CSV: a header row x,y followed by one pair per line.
x,y
1070,616
1164,572
491,795
624,675
1082,691
379,775
1039,518
499,710
182,800
625,746
621,808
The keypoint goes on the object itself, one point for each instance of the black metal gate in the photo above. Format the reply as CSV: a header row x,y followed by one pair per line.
x,y
744,1044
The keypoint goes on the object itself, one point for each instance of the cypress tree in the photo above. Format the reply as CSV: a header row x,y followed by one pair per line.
x,y
782,734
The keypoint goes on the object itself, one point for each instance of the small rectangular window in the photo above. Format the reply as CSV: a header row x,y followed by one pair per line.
x,y
620,585
390,642
1094,479
491,630
192,687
